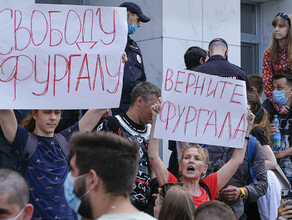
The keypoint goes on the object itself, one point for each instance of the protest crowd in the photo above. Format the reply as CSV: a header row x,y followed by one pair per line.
x,y
105,163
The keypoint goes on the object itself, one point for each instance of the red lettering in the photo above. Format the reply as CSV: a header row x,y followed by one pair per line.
x,y
188,81
98,64
199,116
23,30
55,71
38,30
223,125
11,16
85,61
187,121
54,32
213,91
118,74
241,123
200,87
69,69
47,81
168,79
74,24
101,27
236,94
214,112
169,105
178,82
224,85
84,26
179,118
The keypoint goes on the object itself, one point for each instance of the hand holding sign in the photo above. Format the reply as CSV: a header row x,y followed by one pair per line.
x,y
202,108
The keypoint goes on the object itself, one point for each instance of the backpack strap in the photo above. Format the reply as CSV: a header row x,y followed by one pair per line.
x,y
206,188
28,151
31,145
63,143
250,153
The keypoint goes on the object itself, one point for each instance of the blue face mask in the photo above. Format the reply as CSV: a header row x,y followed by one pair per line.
x,y
132,28
279,97
73,201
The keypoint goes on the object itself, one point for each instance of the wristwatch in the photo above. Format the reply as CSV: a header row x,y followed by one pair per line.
x,y
242,195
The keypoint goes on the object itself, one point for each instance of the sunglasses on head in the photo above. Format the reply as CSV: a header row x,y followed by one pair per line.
x,y
284,16
166,187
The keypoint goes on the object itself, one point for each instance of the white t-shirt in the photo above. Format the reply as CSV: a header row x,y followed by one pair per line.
x,y
131,216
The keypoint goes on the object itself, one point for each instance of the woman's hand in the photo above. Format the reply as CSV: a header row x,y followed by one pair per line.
x,y
250,118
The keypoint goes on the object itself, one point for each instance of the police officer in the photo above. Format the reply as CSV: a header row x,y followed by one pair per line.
x,y
134,68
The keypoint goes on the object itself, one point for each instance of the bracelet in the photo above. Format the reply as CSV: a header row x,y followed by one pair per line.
x,y
242,195
247,138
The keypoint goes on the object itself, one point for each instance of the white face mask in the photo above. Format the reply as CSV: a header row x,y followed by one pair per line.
x,y
16,217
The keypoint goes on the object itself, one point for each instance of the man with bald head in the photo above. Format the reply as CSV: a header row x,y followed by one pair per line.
x,y
14,196
218,64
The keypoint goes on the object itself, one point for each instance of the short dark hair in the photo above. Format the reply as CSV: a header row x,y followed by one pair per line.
x,y
15,186
256,81
113,158
286,75
145,90
192,57
214,210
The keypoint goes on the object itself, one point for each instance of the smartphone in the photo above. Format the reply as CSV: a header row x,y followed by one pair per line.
x,y
287,194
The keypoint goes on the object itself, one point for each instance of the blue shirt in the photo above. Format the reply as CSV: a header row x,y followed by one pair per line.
x,y
45,174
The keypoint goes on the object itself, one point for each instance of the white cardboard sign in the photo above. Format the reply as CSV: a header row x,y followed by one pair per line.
x,y
61,56
202,108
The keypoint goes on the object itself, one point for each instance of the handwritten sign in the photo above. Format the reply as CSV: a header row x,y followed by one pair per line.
x,y
61,56
202,108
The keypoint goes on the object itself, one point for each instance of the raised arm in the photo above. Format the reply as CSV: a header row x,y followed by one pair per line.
x,y
228,170
157,165
8,124
90,119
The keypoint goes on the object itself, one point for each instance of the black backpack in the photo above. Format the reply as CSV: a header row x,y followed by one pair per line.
x,y
31,146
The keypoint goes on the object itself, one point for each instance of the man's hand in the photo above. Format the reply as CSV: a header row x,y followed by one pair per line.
x,y
231,193
285,109
283,211
108,113
250,118
124,57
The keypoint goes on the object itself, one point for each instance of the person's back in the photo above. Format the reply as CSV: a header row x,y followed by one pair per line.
x,y
14,196
218,64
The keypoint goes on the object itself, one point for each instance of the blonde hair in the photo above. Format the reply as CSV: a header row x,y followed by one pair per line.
x,y
202,151
274,45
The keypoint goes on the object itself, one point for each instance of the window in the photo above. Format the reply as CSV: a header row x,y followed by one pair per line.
x,y
250,38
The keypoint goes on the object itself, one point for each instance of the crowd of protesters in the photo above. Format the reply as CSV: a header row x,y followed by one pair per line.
x,y
105,164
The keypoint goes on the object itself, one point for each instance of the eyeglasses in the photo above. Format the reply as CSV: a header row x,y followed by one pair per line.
x,y
284,16
166,187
